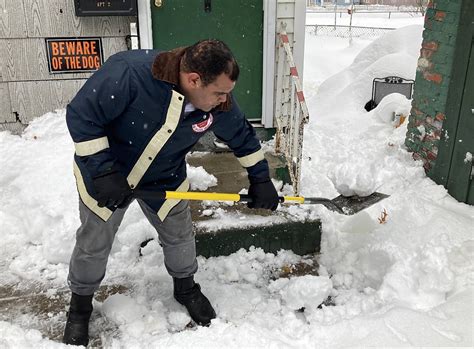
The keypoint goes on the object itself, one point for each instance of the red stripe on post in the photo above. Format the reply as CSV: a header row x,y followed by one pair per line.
x,y
293,71
284,38
300,96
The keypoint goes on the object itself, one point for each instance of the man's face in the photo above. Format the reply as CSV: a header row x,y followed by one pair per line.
x,y
209,96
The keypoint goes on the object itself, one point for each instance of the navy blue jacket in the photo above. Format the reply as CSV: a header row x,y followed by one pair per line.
x,y
129,115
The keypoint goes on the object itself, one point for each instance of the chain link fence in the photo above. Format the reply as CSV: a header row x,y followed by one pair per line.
x,y
345,31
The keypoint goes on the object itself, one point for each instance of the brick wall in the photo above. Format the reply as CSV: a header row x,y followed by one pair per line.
x,y
433,75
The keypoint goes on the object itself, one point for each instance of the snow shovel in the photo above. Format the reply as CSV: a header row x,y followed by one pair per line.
x,y
347,205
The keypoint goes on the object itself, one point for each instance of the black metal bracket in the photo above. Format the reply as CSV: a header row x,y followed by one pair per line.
x,y
207,6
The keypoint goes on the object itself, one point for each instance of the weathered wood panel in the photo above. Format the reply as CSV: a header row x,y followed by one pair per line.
x,y
26,59
286,10
6,114
12,23
50,18
63,91
113,45
14,127
35,98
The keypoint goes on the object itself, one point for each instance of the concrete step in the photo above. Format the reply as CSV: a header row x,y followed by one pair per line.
x,y
223,228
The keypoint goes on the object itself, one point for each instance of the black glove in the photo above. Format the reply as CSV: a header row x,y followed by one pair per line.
x,y
263,194
112,190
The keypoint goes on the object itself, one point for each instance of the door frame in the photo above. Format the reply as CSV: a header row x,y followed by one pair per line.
x,y
145,34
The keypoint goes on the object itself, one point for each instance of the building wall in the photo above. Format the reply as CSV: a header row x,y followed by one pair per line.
x,y
27,89
433,77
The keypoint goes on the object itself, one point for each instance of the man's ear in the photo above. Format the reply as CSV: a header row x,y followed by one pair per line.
x,y
194,80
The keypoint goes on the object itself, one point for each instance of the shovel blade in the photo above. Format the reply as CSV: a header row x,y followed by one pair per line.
x,y
352,204
348,205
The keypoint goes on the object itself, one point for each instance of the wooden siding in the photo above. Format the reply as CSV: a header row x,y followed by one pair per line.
x,y
27,89
12,19
6,115
47,18
40,97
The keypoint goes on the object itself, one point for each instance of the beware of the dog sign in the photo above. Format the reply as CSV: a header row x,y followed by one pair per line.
x,y
74,55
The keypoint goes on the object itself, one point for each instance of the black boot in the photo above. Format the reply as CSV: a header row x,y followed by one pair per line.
x,y
76,331
189,294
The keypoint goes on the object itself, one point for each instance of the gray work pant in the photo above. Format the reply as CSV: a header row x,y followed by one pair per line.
x,y
94,240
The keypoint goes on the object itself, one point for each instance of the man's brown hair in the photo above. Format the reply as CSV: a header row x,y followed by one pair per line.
x,y
210,58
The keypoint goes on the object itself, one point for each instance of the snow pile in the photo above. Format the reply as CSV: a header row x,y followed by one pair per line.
x,y
391,107
303,292
199,179
394,54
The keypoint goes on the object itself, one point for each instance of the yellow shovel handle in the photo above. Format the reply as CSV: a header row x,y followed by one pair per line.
x,y
190,195
195,195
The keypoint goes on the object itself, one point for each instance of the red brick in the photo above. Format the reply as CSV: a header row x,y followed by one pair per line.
x,y
430,45
440,116
440,16
431,156
430,4
434,77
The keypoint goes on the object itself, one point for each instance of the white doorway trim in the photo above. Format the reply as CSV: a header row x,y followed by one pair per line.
x,y
145,32
268,78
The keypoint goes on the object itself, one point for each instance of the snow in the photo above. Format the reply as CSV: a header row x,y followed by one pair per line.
x,y
376,20
468,158
399,279
199,179
307,291
391,106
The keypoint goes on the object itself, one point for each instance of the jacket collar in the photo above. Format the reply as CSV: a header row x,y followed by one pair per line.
x,y
166,68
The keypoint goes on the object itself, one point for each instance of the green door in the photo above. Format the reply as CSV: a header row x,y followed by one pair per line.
x,y
239,23
461,172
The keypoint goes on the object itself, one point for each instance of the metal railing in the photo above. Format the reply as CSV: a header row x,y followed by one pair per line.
x,y
345,31
291,111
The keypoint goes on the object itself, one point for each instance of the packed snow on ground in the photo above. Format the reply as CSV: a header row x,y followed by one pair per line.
x,y
361,19
397,274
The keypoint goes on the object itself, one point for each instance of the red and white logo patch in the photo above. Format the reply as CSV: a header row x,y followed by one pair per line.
x,y
203,125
